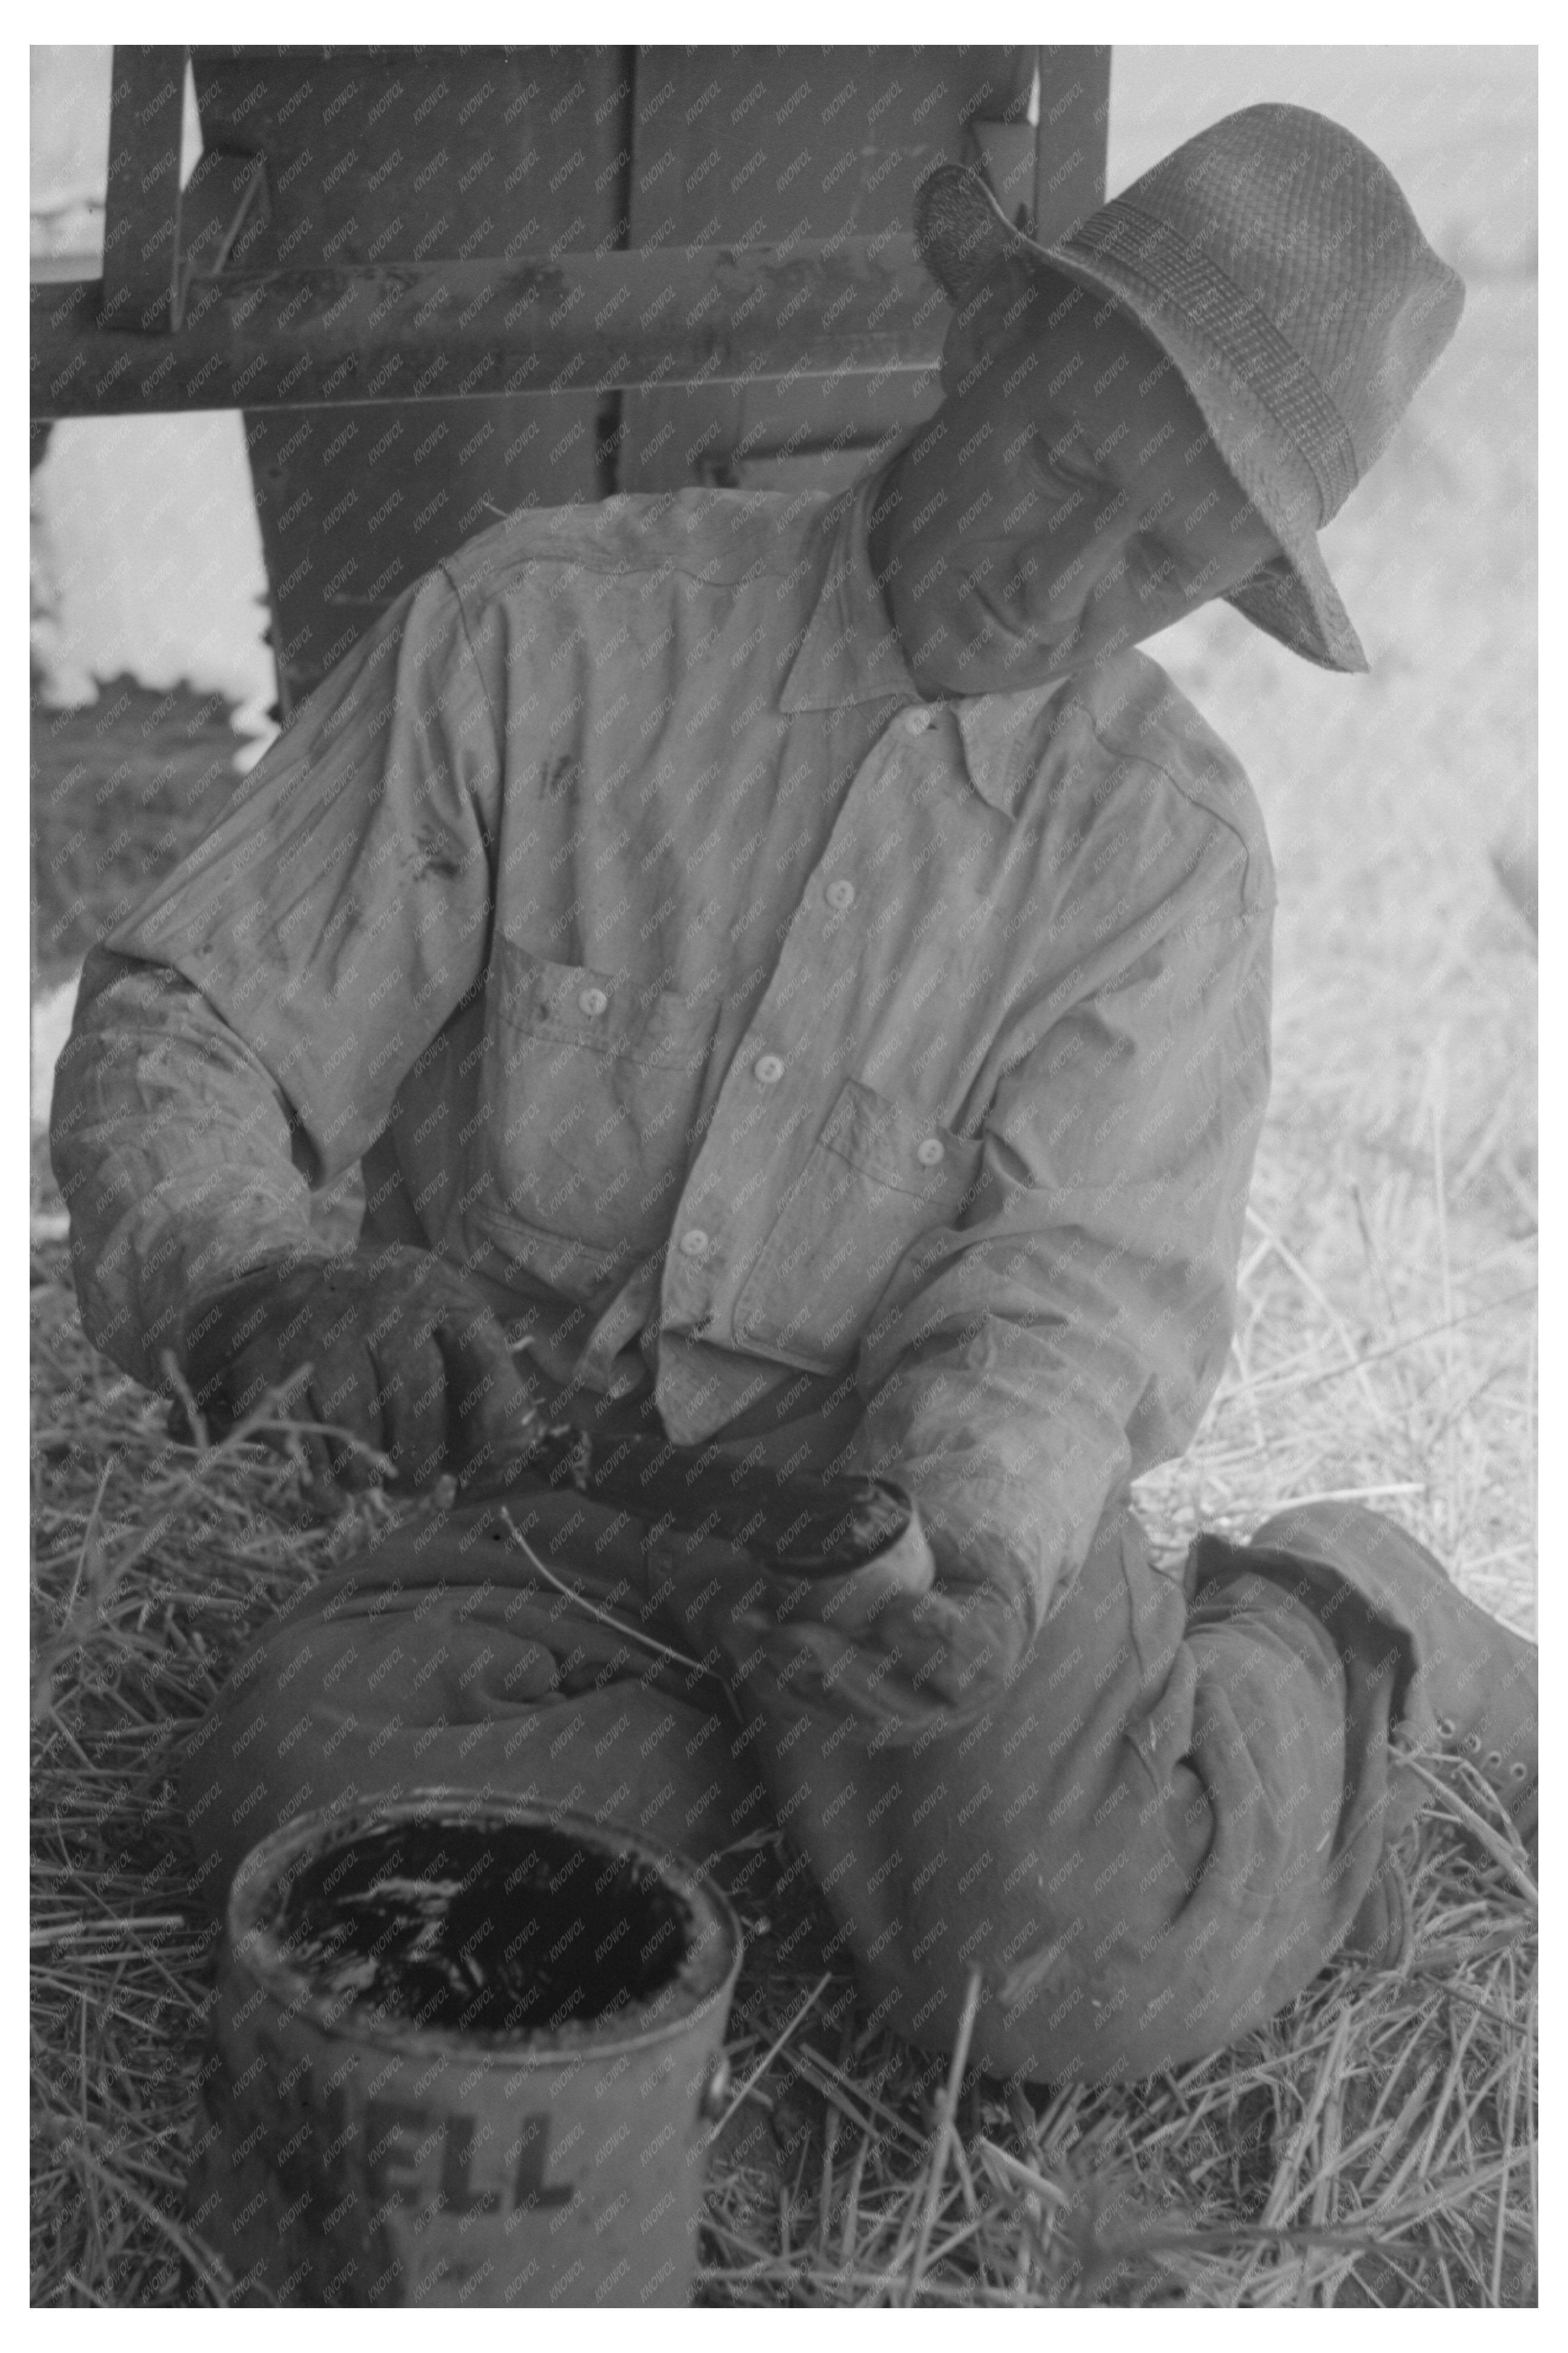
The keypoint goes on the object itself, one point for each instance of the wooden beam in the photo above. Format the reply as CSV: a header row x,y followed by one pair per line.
x,y
141,213
300,339
1070,138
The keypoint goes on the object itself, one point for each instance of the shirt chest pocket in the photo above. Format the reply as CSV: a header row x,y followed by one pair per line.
x,y
590,1085
878,1178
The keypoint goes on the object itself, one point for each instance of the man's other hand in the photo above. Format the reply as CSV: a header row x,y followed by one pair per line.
x,y
405,1360
895,1646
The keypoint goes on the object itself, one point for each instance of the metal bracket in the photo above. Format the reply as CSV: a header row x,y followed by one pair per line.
x,y
224,209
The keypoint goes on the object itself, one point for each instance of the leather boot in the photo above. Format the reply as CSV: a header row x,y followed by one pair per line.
x,y
1475,1685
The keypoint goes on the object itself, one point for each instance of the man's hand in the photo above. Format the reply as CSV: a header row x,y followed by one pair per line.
x,y
902,1652
405,1356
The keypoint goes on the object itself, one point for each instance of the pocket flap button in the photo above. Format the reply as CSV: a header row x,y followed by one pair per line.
x,y
768,1070
928,1152
839,894
694,1242
593,1001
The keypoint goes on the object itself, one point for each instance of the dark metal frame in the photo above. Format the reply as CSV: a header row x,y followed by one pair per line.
x,y
175,325
587,322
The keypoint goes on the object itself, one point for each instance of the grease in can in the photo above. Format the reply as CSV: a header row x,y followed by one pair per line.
x,y
461,2053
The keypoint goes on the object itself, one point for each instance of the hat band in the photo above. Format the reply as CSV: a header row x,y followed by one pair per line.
x,y
1171,271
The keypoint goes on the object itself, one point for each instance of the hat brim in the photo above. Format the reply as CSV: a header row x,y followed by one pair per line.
x,y
961,230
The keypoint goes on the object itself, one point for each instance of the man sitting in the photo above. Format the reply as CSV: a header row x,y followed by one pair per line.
x,y
798,982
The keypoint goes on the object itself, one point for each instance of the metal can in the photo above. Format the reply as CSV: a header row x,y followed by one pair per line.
x,y
465,2052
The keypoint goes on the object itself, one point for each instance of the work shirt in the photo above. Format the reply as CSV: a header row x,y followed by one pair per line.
x,y
757,1030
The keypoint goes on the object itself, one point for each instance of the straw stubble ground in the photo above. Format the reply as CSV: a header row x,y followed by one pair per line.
x,y
1376,2143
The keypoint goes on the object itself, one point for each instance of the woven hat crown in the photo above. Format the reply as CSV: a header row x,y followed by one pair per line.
x,y
1312,228
1273,258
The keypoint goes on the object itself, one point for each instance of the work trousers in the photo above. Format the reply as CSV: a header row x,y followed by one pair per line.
x,y
1181,1805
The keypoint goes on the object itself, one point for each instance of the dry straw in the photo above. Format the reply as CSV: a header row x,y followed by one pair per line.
x,y
1376,2143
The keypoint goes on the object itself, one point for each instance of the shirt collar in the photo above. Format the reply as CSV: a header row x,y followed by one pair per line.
x,y
850,654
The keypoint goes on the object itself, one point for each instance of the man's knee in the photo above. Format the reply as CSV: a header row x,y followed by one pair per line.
x,y
1105,1978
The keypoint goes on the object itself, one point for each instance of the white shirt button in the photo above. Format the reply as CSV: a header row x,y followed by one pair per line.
x,y
593,1001
839,894
916,722
767,1069
693,1243
929,1151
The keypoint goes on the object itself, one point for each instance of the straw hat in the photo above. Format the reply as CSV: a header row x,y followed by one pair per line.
x,y
1275,260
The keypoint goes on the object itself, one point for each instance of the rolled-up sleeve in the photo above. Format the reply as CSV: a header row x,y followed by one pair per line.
x,y
242,1037
1069,1328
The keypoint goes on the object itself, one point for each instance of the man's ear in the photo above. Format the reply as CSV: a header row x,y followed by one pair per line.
x,y
1006,302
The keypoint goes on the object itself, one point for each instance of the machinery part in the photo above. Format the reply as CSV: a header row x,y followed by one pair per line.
x,y
811,1527
379,333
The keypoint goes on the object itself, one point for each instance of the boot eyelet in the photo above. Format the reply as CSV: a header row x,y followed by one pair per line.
x,y
1519,1772
1447,1727
1494,1758
1472,1746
